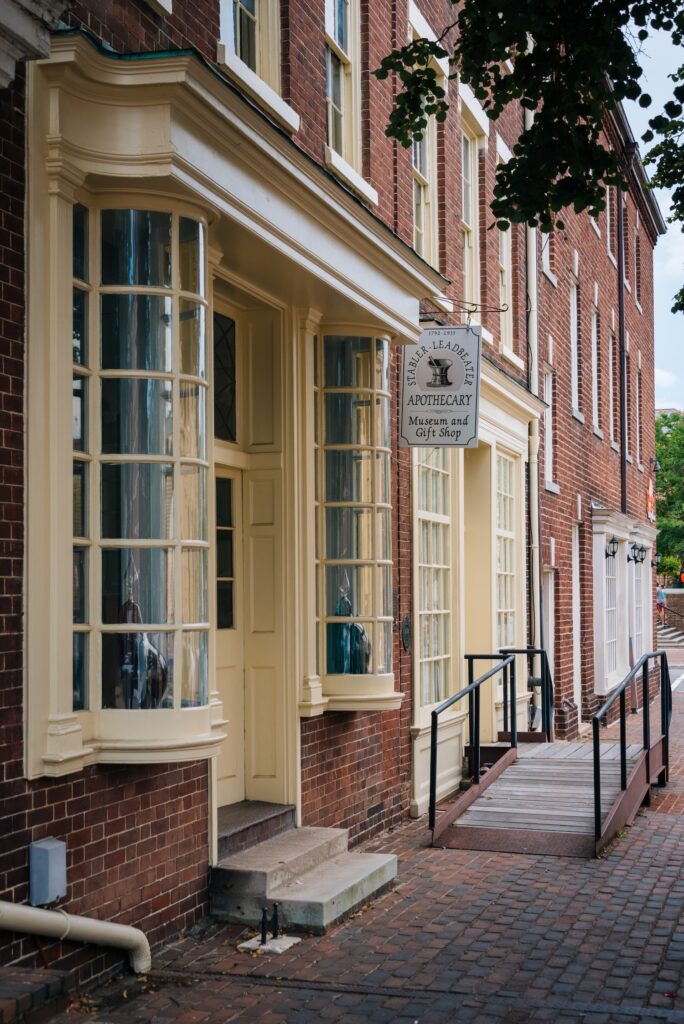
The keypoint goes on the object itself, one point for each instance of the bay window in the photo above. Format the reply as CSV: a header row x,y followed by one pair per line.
x,y
354,568
433,539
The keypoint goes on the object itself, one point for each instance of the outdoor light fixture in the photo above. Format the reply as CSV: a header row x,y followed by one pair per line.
x,y
638,553
654,464
611,548
655,562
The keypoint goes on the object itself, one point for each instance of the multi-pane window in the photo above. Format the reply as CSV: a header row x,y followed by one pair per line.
x,y
505,281
245,28
424,163
469,218
628,403
338,77
638,610
612,385
611,613
353,456
574,345
434,573
595,367
611,199
548,427
637,267
547,253
637,416
140,461
627,261
505,551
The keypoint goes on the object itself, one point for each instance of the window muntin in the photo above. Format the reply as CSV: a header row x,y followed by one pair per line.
x,y
637,267
638,610
470,218
505,551
434,573
139,435
354,569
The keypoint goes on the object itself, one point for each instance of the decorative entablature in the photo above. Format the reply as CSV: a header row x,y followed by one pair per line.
x,y
25,32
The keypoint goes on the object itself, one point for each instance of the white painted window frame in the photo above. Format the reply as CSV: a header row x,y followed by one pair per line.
x,y
475,128
595,369
574,344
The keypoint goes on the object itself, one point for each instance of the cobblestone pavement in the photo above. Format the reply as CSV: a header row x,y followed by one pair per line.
x,y
469,937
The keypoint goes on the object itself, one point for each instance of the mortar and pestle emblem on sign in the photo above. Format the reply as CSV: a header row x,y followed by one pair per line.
x,y
440,372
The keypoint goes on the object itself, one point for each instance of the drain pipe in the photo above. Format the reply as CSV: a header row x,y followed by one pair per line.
x,y
57,924
533,380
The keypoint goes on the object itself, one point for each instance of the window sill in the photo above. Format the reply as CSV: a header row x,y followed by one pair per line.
x,y
552,486
628,457
640,467
577,415
615,446
550,276
361,693
598,433
346,173
487,336
612,258
264,95
638,304
511,356
595,226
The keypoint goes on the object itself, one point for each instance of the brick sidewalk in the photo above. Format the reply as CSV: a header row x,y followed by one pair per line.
x,y
473,937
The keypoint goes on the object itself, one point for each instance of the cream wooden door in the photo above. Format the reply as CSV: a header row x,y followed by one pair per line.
x,y
230,632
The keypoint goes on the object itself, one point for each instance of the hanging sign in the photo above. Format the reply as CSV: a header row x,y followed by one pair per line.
x,y
440,389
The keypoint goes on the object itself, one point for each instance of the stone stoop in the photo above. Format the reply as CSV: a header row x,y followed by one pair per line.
x,y
33,996
309,872
670,636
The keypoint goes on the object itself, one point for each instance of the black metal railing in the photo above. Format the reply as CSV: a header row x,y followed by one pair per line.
x,y
619,693
544,682
678,615
472,691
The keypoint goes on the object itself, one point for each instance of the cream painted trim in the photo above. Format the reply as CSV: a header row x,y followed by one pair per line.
x,y
346,173
502,151
423,29
258,89
510,355
204,138
471,108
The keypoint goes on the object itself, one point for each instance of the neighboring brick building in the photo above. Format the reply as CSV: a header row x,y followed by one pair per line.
x,y
194,233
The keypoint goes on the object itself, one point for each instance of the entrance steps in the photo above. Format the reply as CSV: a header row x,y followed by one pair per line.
x,y
308,872
669,637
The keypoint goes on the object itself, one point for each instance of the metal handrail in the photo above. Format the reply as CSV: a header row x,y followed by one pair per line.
x,y
672,611
665,716
472,691
546,686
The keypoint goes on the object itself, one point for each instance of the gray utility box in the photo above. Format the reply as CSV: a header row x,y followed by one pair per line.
x,y
47,871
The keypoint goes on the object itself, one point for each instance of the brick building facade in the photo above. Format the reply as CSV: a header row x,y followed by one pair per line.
x,y
291,218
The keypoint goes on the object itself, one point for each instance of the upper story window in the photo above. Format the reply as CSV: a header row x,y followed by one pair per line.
x,y
611,234
575,389
470,221
637,267
353,456
595,367
340,74
637,415
548,427
506,288
424,163
249,49
612,385
140,552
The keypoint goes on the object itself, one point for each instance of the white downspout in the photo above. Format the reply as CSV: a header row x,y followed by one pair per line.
x,y
57,924
533,363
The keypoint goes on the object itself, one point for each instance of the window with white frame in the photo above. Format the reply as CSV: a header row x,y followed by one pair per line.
x,y
612,385
249,49
505,288
353,456
638,638
575,389
627,250
637,415
470,228
506,573
341,72
628,403
611,614
611,199
547,255
637,267
434,572
548,426
424,163
140,557
595,368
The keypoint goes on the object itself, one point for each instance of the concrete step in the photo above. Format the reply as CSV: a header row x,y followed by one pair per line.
x,y
249,822
308,871
333,890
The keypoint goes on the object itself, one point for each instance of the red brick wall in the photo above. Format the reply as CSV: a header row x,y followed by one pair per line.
x,y
137,837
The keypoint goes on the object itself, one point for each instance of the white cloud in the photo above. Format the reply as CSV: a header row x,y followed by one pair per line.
x,y
664,380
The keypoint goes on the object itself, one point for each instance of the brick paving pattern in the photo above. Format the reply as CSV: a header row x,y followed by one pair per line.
x,y
465,936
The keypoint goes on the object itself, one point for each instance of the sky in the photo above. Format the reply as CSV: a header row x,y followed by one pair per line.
x,y
660,58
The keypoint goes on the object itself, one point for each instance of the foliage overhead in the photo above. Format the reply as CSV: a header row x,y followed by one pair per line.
x,y
670,484
568,62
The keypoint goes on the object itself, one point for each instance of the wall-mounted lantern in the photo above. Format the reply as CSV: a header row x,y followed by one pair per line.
x,y
611,548
638,553
655,562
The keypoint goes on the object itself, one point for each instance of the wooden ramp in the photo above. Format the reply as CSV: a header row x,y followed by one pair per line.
x,y
542,803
